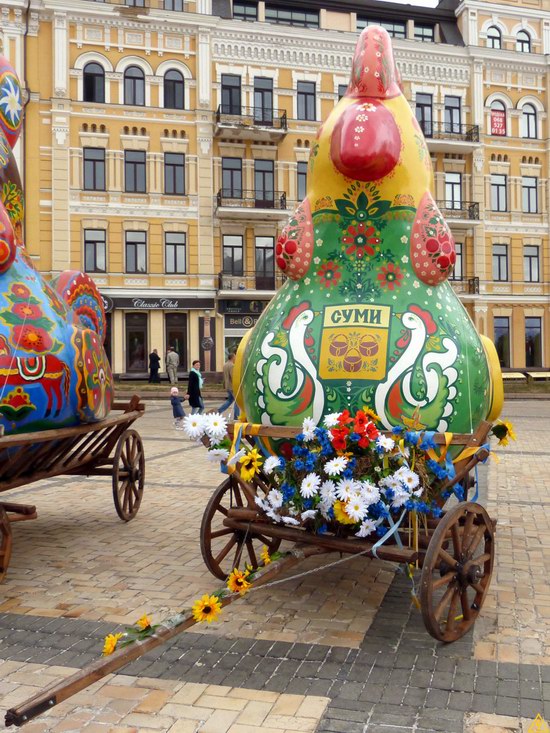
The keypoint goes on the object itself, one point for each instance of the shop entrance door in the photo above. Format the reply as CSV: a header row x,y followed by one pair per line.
x,y
176,336
136,342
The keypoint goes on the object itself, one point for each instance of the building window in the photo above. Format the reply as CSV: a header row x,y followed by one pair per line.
x,y
136,252
290,16
265,263
264,183
136,342
95,246
174,5
453,190
501,329
498,192
94,82
498,118
232,178
533,341
245,11
458,269
424,32
531,273
423,108
342,89
494,37
134,86
529,194
174,174
306,100
523,42
528,124
500,262
231,94
396,29
263,101
452,114
302,181
174,253
233,254
94,169
174,90
135,176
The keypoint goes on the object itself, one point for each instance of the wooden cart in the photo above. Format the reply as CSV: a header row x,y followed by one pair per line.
x,y
454,552
107,448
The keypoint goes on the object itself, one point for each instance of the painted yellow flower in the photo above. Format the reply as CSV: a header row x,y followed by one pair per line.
x,y
237,582
111,640
371,413
250,464
144,622
340,513
207,608
265,557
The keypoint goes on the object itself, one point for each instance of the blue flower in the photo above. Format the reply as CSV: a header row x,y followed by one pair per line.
x,y
287,491
428,441
397,429
308,504
299,465
412,437
355,437
348,473
323,529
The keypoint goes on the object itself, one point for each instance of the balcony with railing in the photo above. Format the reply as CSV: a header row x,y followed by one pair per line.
x,y
460,213
241,204
450,137
469,286
241,285
251,123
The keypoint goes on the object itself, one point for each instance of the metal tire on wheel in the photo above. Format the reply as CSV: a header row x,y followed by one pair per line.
x,y
456,571
222,548
5,543
128,474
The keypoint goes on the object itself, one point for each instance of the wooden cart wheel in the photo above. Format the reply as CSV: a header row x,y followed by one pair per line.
x,y
5,543
456,571
128,474
222,548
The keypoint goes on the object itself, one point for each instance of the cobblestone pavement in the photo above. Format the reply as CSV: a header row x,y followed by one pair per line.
x,y
335,651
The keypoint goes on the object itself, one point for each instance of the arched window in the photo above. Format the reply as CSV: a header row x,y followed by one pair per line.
x,y
528,124
498,118
174,90
94,82
134,86
523,42
494,37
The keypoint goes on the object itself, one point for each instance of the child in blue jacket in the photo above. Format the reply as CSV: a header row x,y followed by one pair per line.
x,y
177,408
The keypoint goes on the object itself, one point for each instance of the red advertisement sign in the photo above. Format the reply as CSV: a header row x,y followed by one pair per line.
x,y
498,122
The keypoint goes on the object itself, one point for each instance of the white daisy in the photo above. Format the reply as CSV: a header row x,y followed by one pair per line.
x,y
271,464
310,485
331,420
366,528
310,514
215,426
273,515
290,520
408,477
328,491
385,443
275,498
345,489
369,492
356,509
308,429
193,426
218,454
262,503
335,466
400,496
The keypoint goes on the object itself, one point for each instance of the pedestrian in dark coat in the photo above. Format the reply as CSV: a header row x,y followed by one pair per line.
x,y
194,394
154,367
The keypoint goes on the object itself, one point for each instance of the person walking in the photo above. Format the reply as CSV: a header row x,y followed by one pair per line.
x,y
154,366
194,389
177,408
228,385
172,364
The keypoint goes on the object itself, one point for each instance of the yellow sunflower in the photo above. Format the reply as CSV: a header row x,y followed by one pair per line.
x,y
504,431
250,464
371,413
237,582
111,640
340,513
265,556
207,608
144,622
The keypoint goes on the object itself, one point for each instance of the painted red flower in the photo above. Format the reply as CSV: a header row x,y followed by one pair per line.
x,y
390,276
32,338
284,250
20,291
329,274
361,239
26,311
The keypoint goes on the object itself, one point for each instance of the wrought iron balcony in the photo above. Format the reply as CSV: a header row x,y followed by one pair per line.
x,y
141,5
250,281
239,199
275,119
450,131
459,210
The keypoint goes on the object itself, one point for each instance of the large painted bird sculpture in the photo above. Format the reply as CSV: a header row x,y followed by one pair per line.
x,y
53,368
367,316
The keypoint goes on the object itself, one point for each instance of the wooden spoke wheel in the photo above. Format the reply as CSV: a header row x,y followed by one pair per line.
x,y
224,549
128,474
5,543
456,571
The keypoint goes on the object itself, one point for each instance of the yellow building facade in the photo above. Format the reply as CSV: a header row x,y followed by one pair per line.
x,y
166,143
